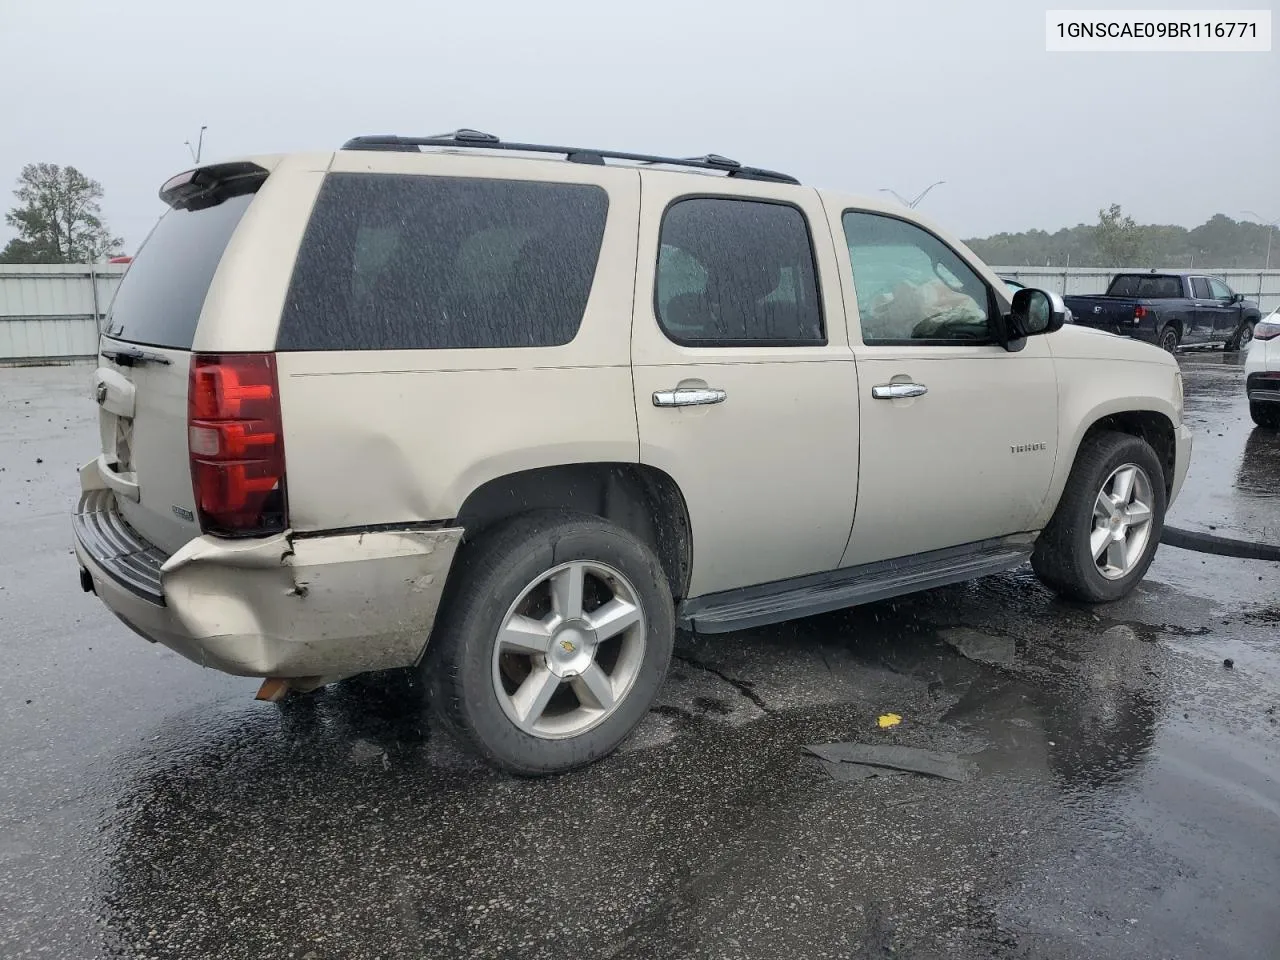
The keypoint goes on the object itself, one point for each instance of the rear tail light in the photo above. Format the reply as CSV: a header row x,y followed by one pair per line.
x,y
1267,330
235,438
1139,312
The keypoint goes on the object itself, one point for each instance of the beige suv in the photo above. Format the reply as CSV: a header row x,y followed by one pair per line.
x,y
512,414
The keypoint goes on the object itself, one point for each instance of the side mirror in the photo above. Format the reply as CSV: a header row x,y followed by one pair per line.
x,y
1237,297
1035,312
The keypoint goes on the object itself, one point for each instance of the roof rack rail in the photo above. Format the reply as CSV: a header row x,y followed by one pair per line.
x,y
487,141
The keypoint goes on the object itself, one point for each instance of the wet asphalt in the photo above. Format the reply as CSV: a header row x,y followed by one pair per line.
x,y
1126,801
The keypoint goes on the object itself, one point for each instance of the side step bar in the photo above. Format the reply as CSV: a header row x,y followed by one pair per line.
x,y
783,600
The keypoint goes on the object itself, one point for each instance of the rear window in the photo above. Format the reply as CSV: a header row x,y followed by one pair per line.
x,y
160,298
1146,286
404,262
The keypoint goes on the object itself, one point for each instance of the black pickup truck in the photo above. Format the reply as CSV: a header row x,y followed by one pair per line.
x,y
1169,309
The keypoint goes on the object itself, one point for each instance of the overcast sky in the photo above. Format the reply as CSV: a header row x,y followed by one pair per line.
x,y
853,94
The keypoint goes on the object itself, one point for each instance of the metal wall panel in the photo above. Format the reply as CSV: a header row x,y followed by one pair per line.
x,y
54,311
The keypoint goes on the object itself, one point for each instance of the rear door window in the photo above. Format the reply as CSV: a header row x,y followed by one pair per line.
x,y
160,298
404,262
737,273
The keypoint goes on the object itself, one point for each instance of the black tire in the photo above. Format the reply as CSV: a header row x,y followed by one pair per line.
x,y
1062,557
1241,337
1265,414
1169,338
488,576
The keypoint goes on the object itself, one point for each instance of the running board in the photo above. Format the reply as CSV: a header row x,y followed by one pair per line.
x,y
784,600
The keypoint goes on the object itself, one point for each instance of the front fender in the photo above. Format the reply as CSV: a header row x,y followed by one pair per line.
x,y
1087,394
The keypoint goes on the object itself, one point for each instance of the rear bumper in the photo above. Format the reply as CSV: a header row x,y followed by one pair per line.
x,y
322,607
1263,387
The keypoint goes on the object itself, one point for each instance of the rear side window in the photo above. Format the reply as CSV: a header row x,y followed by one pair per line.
x,y
1147,286
403,262
737,273
160,298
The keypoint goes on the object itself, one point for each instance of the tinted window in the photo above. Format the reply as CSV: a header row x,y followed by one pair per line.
x,y
1219,290
912,286
737,272
1200,288
160,298
1146,286
397,262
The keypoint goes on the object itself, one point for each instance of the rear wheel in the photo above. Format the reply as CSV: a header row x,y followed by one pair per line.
x,y
1241,338
1265,414
552,642
1170,337
1104,533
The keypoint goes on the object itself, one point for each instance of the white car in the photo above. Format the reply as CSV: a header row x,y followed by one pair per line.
x,y
538,411
1262,372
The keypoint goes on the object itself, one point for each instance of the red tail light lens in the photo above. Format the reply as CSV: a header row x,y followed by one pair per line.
x,y
235,439
1267,330
1139,312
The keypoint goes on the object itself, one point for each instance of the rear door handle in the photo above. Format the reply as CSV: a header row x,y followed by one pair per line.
x,y
898,391
688,397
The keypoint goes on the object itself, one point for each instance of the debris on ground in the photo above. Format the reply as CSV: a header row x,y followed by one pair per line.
x,y
879,760
1228,663
888,720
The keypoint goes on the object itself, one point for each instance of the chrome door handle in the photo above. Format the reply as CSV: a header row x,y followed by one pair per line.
x,y
688,397
898,391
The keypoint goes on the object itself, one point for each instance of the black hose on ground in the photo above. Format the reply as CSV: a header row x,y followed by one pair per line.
x,y
1222,546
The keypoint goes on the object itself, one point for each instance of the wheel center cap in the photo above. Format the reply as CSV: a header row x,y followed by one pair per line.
x,y
573,646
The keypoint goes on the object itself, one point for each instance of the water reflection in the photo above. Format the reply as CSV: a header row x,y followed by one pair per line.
x,y
1259,473
344,826
1066,695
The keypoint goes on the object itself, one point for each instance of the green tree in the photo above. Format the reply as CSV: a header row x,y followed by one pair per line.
x,y
1119,239
58,218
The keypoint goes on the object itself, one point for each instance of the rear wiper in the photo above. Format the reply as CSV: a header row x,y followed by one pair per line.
x,y
133,357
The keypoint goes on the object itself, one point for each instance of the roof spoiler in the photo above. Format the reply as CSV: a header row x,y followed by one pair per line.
x,y
208,186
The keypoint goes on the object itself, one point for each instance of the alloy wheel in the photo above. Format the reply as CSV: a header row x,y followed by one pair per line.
x,y
569,649
1122,518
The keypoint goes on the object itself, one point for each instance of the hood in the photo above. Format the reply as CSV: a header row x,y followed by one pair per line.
x,y
1074,342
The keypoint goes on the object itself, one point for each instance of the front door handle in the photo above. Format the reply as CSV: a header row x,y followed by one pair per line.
x,y
898,391
688,397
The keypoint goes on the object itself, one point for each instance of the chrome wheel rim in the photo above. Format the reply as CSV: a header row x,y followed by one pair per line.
x,y
1170,341
569,650
1122,516
1246,334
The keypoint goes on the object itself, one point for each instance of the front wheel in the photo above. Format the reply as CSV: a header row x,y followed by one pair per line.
x,y
1169,338
1103,536
552,642
1241,339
